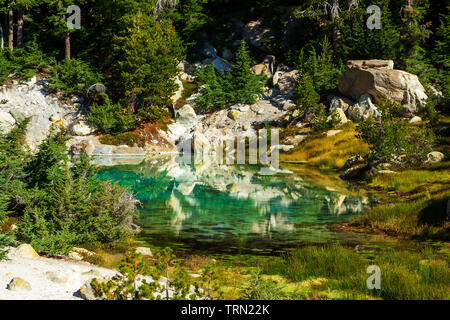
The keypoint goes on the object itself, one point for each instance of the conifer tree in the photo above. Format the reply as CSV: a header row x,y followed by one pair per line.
x,y
241,84
147,66
213,95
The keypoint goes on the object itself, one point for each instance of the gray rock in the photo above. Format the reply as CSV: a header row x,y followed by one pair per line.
x,y
287,83
19,285
342,103
57,276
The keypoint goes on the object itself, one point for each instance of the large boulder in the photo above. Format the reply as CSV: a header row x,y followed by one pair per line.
x,y
186,116
379,79
7,122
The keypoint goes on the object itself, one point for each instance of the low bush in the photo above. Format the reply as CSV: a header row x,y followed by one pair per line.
x,y
59,205
111,118
24,62
73,77
393,136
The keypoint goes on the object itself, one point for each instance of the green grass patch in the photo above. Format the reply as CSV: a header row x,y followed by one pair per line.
x,y
419,181
336,272
424,219
128,138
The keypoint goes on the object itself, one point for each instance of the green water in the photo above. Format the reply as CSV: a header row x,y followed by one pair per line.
x,y
217,208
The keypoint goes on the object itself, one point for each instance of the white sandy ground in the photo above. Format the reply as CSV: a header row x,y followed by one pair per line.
x,y
34,272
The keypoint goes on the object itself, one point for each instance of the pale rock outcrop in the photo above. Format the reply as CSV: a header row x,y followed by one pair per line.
x,y
379,79
186,116
31,100
363,109
7,122
200,143
179,93
26,251
83,128
284,102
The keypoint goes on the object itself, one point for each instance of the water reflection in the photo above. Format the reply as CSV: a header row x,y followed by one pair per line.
x,y
221,207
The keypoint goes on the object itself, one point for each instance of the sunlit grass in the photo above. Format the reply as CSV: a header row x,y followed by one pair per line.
x,y
429,179
327,152
336,272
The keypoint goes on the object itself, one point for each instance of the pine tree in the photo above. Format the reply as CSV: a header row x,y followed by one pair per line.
x,y
147,65
241,84
213,95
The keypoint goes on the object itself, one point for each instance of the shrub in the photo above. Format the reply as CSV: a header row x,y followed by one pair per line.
x,y
259,289
111,118
12,178
394,136
307,100
67,206
306,96
73,77
24,62
125,286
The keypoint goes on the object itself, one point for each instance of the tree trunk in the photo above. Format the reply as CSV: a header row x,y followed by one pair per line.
x,y
334,14
68,50
2,41
11,29
20,21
